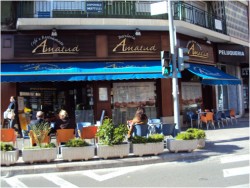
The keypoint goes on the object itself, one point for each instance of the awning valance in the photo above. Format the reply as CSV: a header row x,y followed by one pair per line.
x,y
80,71
213,76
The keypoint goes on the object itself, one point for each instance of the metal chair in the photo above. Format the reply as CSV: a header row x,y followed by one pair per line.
x,y
208,119
33,141
168,129
154,126
89,133
218,119
64,135
8,135
233,115
140,130
226,116
191,116
79,127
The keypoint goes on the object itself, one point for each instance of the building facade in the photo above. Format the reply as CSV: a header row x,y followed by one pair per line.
x,y
101,57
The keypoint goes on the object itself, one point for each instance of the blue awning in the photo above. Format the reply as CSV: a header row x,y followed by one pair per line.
x,y
213,76
80,71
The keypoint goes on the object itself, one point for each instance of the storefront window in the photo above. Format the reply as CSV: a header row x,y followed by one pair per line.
x,y
128,96
191,96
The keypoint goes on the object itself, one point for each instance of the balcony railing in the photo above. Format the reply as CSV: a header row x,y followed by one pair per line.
x,y
117,9
191,14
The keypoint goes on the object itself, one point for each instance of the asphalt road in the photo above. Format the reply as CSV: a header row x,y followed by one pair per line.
x,y
222,171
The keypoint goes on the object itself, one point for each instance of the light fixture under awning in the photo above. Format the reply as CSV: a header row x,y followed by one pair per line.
x,y
213,76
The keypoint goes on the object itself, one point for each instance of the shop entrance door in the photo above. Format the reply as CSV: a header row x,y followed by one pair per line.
x,y
102,99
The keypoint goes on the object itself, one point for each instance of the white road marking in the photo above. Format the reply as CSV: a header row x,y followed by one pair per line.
x,y
14,182
117,173
240,186
236,171
235,158
59,181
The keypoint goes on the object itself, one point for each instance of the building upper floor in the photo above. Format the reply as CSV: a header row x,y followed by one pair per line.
x,y
218,21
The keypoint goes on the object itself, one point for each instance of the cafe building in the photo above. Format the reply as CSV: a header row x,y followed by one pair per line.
x,y
110,73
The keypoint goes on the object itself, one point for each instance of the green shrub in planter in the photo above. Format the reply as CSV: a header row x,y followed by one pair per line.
x,y
139,140
76,142
185,136
198,133
155,138
7,147
151,139
110,134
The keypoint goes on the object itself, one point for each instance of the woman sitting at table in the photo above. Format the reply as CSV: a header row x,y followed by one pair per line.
x,y
140,118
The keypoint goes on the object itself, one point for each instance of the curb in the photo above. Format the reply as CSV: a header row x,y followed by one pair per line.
x,y
60,166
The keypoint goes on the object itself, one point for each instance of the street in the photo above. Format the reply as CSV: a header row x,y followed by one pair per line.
x,y
223,171
224,162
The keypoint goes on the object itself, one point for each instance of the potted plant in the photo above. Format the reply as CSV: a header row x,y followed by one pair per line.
x,y
9,154
43,151
184,141
200,135
153,144
111,140
77,149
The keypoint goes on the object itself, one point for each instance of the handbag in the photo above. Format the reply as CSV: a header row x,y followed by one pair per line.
x,y
11,114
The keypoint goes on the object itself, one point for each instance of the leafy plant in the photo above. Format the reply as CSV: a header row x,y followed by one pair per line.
x,y
151,139
7,147
185,136
109,134
76,142
139,140
50,145
198,133
155,138
40,131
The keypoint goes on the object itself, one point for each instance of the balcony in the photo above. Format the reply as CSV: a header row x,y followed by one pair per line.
x,y
117,15
116,9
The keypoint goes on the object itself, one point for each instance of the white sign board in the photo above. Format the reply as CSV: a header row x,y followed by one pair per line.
x,y
218,24
159,8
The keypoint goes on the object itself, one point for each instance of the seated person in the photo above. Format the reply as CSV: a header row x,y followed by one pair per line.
x,y
140,118
63,122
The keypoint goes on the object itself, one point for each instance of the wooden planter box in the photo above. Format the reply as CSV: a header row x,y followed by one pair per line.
x,y
104,151
181,145
9,157
78,153
148,148
201,143
39,155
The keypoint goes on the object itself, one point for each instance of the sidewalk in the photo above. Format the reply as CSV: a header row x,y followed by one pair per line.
x,y
214,147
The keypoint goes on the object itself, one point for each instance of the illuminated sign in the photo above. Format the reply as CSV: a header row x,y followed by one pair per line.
x,y
195,50
124,47
41,46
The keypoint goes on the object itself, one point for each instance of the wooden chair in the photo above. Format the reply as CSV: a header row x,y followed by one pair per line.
x,y
208,119
64,135
46,139
89,133
8,135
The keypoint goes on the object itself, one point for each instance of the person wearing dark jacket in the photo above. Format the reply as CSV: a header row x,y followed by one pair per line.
x,y
63,122
39,119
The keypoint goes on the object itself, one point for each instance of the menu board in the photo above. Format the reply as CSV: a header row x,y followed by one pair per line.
x,y
134,94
